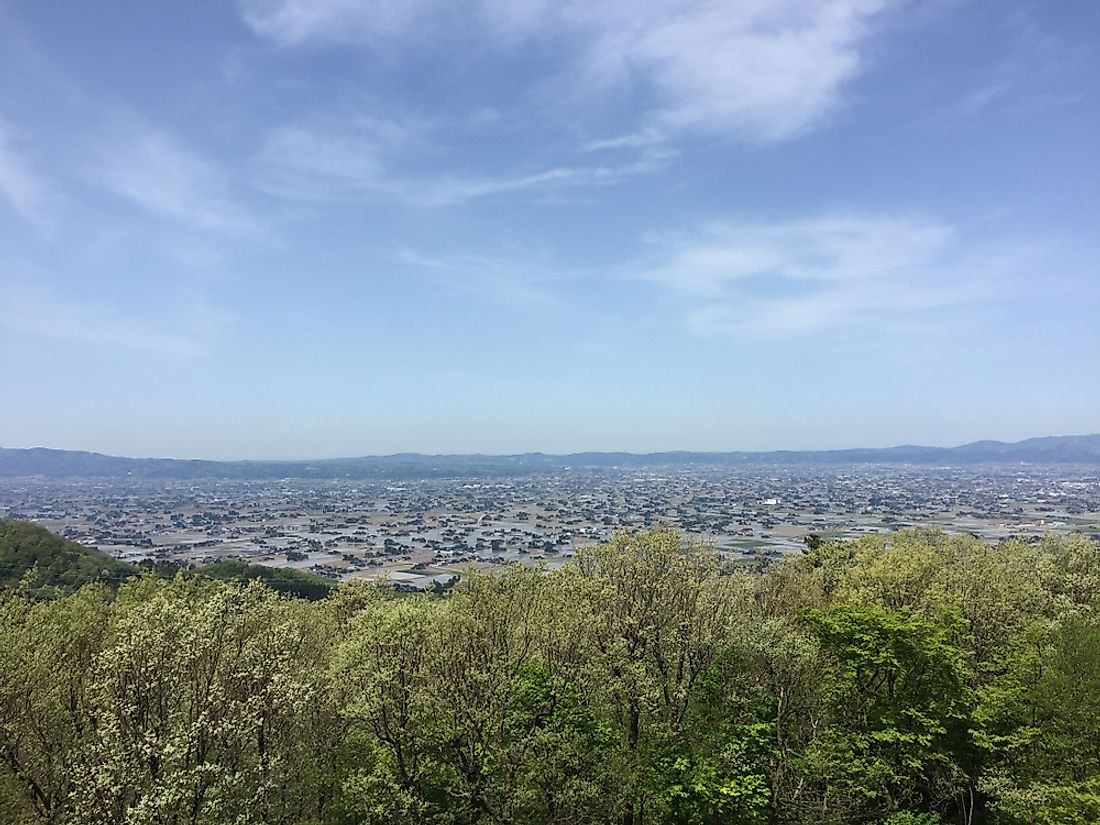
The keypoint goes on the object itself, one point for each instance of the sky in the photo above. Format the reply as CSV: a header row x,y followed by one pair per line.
x,y
319,228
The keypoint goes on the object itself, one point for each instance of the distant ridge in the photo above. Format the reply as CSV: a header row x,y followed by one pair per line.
x,y
44,462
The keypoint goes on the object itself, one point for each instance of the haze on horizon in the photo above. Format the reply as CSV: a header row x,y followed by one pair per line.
x,y
303,229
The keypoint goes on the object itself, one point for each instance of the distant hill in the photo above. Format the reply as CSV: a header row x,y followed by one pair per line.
x,y
59,563
40,461
66,565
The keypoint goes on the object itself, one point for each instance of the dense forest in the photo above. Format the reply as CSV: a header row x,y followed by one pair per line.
x,y
910,679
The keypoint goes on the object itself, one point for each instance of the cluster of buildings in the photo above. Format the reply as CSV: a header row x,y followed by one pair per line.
x,y
422,533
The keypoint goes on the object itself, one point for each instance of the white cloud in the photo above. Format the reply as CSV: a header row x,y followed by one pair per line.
x,y
151,169
759,70
794,277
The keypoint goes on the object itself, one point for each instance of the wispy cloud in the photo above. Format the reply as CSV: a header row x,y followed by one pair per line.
x,y
979,99
1037,70
302,163
342,161
496,279
454,190
39,311
796,277
888,305
153,170
642,139
19,186
86,137
344,154
758,71
775,279
292,21
830,248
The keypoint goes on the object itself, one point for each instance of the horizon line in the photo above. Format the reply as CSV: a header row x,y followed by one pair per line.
x,y
640,454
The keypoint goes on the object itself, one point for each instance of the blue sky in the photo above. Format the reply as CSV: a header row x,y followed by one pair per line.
x,y
306,228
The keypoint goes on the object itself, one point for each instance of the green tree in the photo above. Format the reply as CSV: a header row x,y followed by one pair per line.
x,y
896,691
198,699
47,652
663,610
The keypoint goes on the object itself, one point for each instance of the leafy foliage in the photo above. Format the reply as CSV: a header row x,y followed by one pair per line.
x,y
911,679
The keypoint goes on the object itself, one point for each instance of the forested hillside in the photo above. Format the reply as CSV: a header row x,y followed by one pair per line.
x,y
55,562
50,565
912,679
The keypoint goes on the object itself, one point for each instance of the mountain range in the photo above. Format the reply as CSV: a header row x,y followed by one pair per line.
x,y
49,463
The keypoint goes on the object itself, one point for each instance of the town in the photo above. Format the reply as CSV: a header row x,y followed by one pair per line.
x,y
424,534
